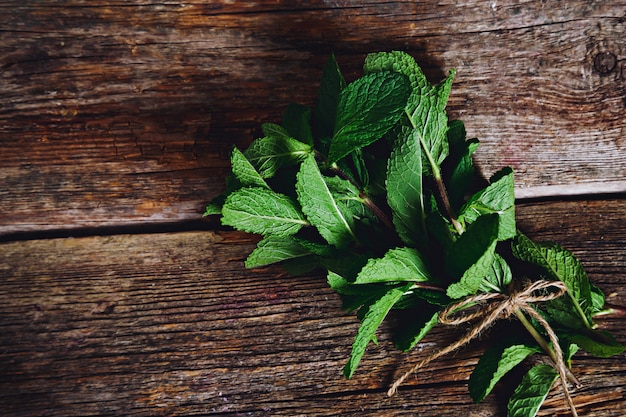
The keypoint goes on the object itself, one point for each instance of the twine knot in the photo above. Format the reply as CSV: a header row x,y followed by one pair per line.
x,y
500,306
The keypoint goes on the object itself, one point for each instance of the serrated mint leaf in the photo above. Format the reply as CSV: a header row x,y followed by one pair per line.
x,y
245,172
270,153
214,207
562,266
326,109
320,207
499,198
405,194
597,299
373,317
367,109
297,122
496,362
397,265
532,391
261,211
471,257
419,327
498,277
273,249
425,106
348,198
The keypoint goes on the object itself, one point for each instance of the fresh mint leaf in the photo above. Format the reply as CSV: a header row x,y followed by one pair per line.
x,y
430,121
214,207
562,266
532,391
273,249
373,317
261,211
367,109
471,257
245,172
496,362
499,276
597,299
328,99
425,106
499,198
460,174
397,265
348,198
405,194
417,328
599,343
270,153
320,206
297,123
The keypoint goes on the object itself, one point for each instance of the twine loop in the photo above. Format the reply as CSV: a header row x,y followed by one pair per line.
x,y
500,306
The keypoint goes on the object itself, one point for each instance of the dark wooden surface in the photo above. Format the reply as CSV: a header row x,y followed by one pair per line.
x,y
116,120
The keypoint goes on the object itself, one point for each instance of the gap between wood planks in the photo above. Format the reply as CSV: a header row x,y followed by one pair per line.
x,y
213,224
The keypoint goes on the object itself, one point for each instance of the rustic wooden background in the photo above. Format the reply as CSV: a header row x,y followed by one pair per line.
x,y
116,120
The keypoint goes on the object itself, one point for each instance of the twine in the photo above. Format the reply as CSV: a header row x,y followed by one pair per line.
x,y
500,307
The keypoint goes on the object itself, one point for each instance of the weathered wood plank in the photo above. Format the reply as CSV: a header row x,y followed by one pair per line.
x,y
172,324
124,112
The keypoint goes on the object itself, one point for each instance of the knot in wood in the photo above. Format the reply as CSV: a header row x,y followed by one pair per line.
x,y
605,62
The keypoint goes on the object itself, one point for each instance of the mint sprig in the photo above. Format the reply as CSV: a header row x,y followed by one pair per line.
x,y
375,186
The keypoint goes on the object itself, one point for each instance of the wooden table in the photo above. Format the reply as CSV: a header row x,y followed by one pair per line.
x,y
116,120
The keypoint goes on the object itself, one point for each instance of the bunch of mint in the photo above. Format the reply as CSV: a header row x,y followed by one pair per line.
x,y
377,187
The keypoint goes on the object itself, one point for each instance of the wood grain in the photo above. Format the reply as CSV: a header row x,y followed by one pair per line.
x,y
172,324
117,113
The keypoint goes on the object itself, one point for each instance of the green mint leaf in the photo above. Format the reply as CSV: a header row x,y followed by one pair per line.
x,y
471,257
273,249
397,265
367,109
460,174
417,328
562,266
440,227
532,391
360,297
431,122
373,317
498,277
348,198
599,343
405,194
261,211
499,198
297,122
496,362
597,299
270,153
425,106
214,207
320,206
326,108
245,172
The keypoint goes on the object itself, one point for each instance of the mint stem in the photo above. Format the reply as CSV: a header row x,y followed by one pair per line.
x,y
443,197
543,344
369,203
611,311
